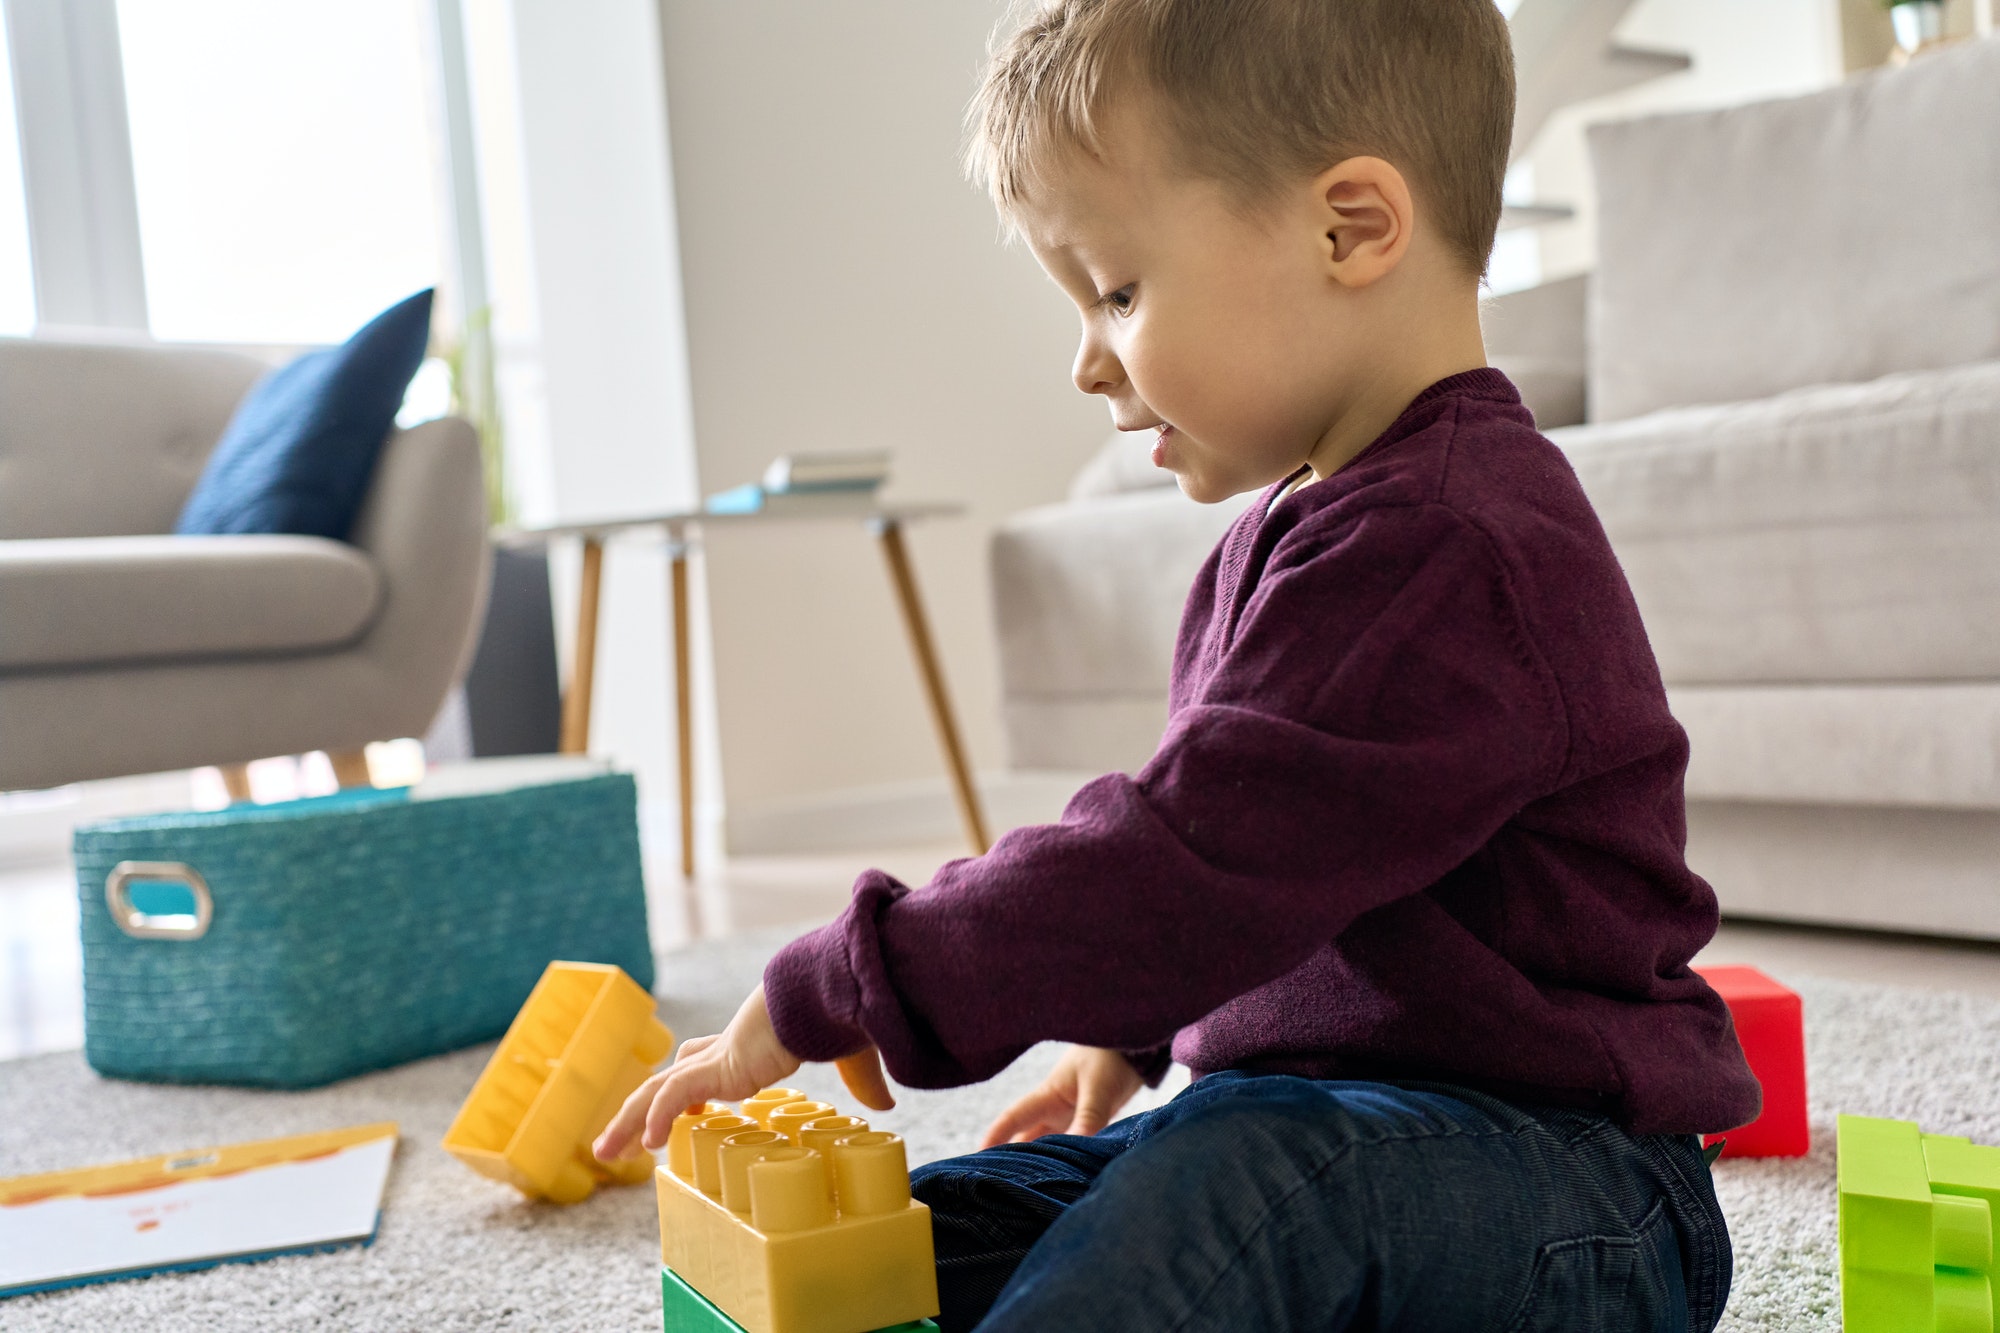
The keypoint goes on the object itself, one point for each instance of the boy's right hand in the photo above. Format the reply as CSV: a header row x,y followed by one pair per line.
x,y
1081,1094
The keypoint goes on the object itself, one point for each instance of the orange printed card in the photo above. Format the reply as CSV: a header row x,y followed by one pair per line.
x,y
193,1209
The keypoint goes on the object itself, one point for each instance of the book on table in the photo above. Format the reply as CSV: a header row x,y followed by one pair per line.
x,y
799,472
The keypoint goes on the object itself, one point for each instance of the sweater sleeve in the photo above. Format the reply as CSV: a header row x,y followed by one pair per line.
x,y
1378,711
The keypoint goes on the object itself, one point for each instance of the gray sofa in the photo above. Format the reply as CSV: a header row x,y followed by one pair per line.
x,y
125,649
1781,390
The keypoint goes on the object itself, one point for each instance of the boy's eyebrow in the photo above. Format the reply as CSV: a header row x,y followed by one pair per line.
x,y
1068,271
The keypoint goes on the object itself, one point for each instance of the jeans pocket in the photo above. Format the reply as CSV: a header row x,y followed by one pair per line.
x,y
1609,1284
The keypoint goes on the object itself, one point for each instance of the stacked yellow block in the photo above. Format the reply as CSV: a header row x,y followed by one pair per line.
x,y
585,1039
792,1218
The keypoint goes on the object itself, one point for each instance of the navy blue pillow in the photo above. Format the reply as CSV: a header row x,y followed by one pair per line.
x,y
301,449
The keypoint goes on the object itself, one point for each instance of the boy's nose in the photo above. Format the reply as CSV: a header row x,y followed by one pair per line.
x,y
1096,370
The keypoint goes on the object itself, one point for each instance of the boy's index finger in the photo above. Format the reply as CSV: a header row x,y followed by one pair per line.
x,y
687,1089
617,1136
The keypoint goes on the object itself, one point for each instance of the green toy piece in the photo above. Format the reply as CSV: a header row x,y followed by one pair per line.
x,y
688,1311
1916,1229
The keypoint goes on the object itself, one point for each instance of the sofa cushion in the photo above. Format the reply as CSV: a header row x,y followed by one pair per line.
x,y
105,439
70,602
1832,238
1535,337
1932,745
300,451
1929,745
1088,595
1845,533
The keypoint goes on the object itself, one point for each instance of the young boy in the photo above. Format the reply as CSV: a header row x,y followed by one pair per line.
x,y
1404,883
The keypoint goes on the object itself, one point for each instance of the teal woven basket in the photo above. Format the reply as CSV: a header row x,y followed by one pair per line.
x,y
289,945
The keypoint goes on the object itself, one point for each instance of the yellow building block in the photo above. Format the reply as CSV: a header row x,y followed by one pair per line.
x,y
586,1038
753,1219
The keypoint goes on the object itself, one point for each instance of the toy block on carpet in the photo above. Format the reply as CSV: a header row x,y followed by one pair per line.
x,y
584,1041
1770,1023
1916,1229
791,1218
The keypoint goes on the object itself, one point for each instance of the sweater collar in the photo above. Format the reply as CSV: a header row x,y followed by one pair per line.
x,y
1483,382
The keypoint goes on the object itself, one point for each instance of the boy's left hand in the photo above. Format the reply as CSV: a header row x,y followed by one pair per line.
x,y
742,1059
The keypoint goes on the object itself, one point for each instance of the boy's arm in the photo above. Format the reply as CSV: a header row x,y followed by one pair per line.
x,y
1379,712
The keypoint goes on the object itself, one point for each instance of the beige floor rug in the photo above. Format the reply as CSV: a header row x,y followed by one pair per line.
x,y
457,1252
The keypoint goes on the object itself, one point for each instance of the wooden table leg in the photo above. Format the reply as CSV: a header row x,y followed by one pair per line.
x,y
350,768
905,583
583,661
684,728
236,781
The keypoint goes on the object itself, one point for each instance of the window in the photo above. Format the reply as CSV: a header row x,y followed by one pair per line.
x,y
17,282
285,164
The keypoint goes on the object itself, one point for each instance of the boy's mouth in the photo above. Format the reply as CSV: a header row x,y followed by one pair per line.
x,y
1165,432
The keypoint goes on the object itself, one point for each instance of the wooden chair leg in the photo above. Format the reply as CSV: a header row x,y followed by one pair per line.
x,y
350,768
236,781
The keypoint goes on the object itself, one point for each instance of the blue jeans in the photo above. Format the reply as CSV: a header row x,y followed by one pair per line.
x,y
1257,1202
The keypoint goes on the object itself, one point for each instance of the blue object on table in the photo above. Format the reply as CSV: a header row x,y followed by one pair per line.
x,y
298,455
318,939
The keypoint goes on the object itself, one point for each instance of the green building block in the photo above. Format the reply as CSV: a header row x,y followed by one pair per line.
x,y
686,1310
1916,1229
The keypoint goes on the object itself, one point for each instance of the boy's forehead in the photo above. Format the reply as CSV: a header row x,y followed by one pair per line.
x,y
1094,194
1072,204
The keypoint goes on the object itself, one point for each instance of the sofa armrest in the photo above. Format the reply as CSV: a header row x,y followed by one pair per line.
x,y
1536,338
424,522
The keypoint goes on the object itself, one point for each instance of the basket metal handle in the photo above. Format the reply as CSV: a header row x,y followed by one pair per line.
x,y
163,926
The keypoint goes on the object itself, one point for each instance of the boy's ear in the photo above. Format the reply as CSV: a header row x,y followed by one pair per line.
x,y
1368,217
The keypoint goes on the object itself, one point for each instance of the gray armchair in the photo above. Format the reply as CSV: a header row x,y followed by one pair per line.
x,y
127,649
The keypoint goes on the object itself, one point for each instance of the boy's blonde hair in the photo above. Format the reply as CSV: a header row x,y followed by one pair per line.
x,y
1259,93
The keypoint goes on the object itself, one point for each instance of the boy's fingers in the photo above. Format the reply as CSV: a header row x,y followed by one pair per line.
x,y
1000,1131
1086,1122
617,1136
862,1073
687,1083
1025,1119
1092,1113
1008,1123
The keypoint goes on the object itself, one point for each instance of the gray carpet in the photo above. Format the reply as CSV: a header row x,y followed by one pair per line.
x,y
457,1252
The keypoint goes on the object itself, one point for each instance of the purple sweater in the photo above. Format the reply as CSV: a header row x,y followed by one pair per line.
x,y
1417,814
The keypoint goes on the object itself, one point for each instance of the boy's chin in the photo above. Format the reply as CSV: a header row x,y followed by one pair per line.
x,y
1208,490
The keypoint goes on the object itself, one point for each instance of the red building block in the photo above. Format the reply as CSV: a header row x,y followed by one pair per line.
x,y
1771,1026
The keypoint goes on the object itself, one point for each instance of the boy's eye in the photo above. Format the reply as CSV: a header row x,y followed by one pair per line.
x,y
1119,301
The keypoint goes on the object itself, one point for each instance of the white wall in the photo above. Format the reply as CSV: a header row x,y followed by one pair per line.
x,y
845,288
570,112
1743,50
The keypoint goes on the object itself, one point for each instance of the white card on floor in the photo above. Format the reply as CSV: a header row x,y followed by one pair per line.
x,y
193,1209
